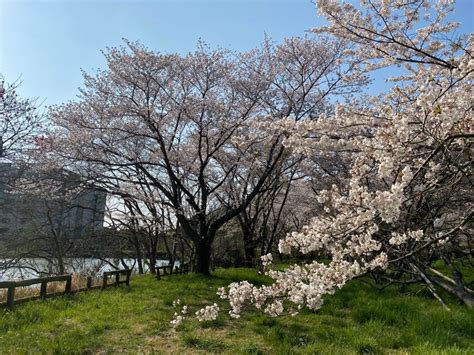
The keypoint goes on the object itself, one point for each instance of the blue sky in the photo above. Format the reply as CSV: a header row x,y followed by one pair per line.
x,y
46,43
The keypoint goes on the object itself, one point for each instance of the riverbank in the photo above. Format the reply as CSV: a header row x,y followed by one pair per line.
x,y
134,319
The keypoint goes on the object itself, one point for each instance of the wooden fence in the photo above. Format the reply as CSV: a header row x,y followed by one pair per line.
x,y
182,269
12,285
110,274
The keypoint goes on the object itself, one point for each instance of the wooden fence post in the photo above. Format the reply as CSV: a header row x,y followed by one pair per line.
x,y
11,296
68,287
89,282
117,279
43,290
127,282
104,281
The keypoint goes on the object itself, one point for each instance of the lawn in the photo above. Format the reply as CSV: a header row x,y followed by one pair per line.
x,y
357,319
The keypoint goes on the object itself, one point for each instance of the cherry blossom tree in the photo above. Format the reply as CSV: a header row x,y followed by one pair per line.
x,y
186,124
405,198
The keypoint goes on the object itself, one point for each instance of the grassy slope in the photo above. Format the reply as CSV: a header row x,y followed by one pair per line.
x,y
358,319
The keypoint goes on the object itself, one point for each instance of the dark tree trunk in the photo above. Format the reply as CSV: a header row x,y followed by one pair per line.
x,y
152,258
138,254
249,250
203,257
247,226
140,266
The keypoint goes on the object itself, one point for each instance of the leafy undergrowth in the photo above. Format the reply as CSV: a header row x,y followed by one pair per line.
x,y
357,319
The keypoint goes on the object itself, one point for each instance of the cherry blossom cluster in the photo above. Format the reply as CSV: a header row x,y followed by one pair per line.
x,y
208,313
178,317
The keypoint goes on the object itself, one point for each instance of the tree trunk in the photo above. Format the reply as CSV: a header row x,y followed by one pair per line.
x,y
140,265
152,259
456,290
249,250
59,254
249,242
138,254
203,257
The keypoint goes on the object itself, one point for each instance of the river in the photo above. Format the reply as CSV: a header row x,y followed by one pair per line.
x,y
32,268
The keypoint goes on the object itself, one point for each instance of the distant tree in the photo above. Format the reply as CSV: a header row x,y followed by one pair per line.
x,y
20,122
140,210
37,210
50,220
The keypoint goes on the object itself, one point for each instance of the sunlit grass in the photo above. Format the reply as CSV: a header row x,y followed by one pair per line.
x,y
357,319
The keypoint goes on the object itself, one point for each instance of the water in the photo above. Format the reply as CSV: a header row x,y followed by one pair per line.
x,y
32,268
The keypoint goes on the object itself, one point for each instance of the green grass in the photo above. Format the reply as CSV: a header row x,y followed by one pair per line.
x,y
357,319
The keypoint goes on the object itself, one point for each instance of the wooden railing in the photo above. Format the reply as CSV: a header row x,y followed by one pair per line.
x,y
117,281
182,269
12,285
